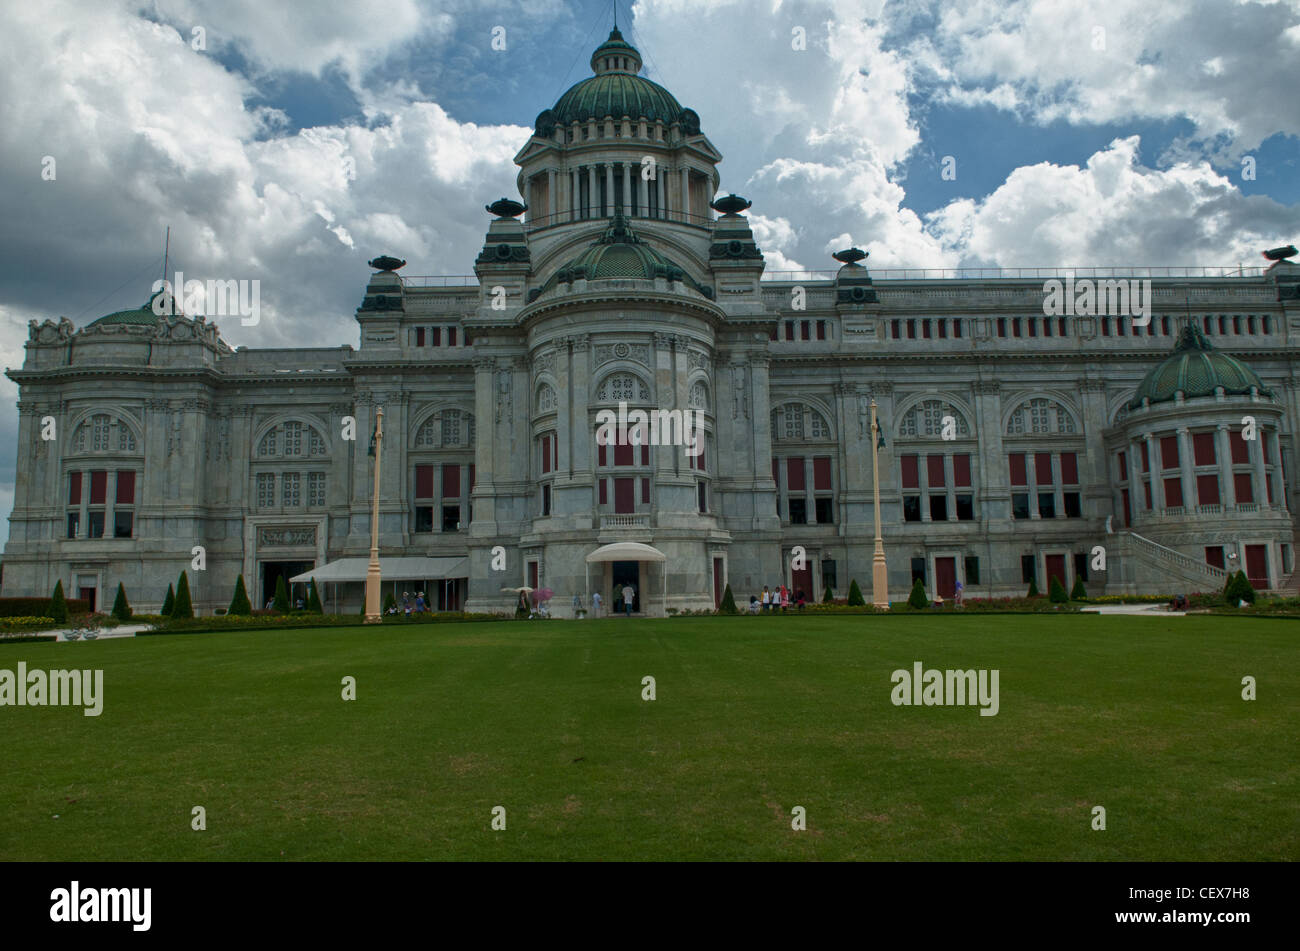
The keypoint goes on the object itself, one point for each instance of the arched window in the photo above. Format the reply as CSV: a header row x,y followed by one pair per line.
x,y
623,387
103,433
1040,417
457,430
292,439
799,422
925,421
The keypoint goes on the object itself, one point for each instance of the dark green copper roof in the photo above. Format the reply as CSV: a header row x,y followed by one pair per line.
x,y
140,315
620,254
617,94
1196,369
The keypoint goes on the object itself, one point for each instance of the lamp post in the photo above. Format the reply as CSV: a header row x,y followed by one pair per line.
x,y
879,570
373,610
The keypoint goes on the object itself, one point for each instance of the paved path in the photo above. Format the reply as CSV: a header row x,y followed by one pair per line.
x,y
1148,610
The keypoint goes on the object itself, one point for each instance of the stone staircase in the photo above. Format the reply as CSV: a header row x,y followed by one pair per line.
x,y
1174,566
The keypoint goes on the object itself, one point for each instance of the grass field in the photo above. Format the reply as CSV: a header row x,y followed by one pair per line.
x,y
752,718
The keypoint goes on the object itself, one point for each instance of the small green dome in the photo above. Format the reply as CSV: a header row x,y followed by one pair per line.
x,y
620,254
143,316
1196,369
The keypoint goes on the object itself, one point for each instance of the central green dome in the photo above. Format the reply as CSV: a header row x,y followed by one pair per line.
x,y
616,91
1196,369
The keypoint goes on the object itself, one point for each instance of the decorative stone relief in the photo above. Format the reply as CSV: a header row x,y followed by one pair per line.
x,y
505,400
286,537
639,352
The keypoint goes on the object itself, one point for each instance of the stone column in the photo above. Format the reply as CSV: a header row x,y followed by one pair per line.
x,y
686,193
1031,477
575,208
661,191
1185,471
1227,492
1137,498
1279,488
609,188
485,439
627,189
550,196
1261,475
1157,483
582,459
923,480
593,198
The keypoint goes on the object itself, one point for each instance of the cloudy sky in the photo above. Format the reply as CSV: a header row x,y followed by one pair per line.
x,y
305,139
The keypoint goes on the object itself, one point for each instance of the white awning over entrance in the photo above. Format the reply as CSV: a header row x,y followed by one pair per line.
x,y
627,551
390,569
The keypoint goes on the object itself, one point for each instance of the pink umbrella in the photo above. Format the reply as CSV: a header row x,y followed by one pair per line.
x,y
542,594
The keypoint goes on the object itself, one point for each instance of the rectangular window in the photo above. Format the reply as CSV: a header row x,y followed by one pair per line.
x,y
918,570
825,514
934,471
829,580
451,518
1243,488
1240,451
773,334
1072,507
546,499
1081,565
1146,456
965,508
821,473
943,329
1043,468
645,491
419,336
894,329
1047,505
925,329
96,525
424,482
911,508
451,336
938,508
911,330
956,326
623,454
1207,490
1214,556
1173,492
703,490
1146,488
74,488
789,330
1123,466
437,336
98,487
123,522
1028,569
265,490
1020,505
798,511
961,470
1203,449
74,521
971,565
1002,326
645,454
805,333
1169,452
1033,326
794,474
290,490
821,330
450,481
624,496
1019,474
1015,326
424,518
600,454
1069,468
604,492
911,472
546,454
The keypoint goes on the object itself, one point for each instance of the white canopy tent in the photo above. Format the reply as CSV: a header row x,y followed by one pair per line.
x,y
390,569
630,551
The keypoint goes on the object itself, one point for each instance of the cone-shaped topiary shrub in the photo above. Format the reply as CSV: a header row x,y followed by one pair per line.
x,y
121,609
281,603
855,595
240,606
183,607
169,602
728,605
1056,591
59,604
827,596
1078,592
918,598
313,600
1033,590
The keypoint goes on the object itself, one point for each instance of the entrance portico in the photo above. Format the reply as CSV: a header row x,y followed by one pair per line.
x,y
627,559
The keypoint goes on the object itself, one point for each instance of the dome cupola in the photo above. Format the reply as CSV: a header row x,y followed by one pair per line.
x,y
1196,369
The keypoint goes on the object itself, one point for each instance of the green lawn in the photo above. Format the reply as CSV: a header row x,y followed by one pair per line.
x,y
753,717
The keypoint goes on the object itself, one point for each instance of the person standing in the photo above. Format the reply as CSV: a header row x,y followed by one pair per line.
x,y
767,599
420,606
785,599
628,594
595,604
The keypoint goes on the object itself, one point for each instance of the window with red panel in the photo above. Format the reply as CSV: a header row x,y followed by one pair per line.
x,y
1019,472
1203,449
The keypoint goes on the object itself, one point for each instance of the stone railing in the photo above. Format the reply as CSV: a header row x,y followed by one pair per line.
x,y
1185,563
625,521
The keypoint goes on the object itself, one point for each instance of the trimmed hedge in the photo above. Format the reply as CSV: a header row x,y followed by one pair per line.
x,y
39,607
26,623
271,622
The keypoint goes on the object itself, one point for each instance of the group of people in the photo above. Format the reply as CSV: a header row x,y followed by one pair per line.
x,y
408,607
624,599
776,599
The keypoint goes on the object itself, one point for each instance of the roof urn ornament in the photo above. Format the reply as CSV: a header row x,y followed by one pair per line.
x,y
1281,254
507,208
851,255
386,262
730,206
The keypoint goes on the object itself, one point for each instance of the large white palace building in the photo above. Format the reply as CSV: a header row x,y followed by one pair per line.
x,y
1015,442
